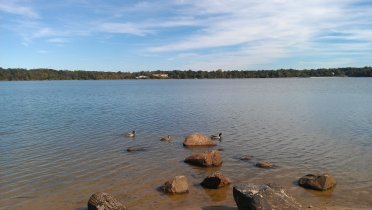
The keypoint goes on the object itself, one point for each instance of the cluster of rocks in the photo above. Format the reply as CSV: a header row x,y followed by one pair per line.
x,y
246,196
260,164
272,196
179,184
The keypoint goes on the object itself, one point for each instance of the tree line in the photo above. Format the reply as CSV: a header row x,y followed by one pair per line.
x,y
10,74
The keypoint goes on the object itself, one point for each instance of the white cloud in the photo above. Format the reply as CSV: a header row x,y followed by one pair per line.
x,y
16,9
123,28
58,40
261,31
207,34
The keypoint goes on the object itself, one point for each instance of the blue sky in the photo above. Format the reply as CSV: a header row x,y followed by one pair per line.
x,y
131,35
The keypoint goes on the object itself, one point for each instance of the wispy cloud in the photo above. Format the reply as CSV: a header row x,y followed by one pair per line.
x,y
266,30
204,34
17,9
58,40
123,28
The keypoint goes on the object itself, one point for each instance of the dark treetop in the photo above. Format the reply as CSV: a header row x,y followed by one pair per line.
x,y
51,74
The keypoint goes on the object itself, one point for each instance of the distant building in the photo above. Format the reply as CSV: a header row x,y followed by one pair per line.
x,y
142,77
160,76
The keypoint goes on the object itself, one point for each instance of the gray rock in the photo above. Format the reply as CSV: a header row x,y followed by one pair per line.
x,y
205,159
263,197
317,182
104,201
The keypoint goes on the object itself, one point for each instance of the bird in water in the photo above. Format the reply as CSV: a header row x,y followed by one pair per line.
x,y
131,134
216,137
166,138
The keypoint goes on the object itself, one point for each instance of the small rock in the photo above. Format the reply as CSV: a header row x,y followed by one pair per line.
x,y
136,149
264,164
216,180
198,139
317,182
178,184
246,157
104,201
221,149
262,197
206,159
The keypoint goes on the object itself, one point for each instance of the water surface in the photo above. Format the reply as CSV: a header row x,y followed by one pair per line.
x,y
61,141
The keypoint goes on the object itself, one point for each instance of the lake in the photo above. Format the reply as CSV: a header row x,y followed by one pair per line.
x,y
61,141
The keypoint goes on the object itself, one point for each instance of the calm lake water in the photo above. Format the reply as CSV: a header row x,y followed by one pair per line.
x,y
61,141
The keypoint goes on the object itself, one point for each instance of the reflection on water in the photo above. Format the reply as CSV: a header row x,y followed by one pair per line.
x,y
61,141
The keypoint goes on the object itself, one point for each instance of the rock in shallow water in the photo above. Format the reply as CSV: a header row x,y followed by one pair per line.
x,y
198,139
265,164
104,201
177,185
216,180
263,197
206,159
246,157
136,149
317,182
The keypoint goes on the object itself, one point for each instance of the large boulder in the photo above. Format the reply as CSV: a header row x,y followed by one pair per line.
x,y
177,185
216,180
263,197
104,201
317,182
205,159
198,139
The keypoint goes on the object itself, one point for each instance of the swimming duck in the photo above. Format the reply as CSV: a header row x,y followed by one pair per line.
x,y
216,137
131,134
167,138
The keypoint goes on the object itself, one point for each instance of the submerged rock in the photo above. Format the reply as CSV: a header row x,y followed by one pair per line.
x,y
177,185
263,197
317,182
136,149
104,201
264,164
246,157
206,159
216,180
198,139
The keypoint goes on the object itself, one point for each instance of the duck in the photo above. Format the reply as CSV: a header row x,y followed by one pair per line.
x,y
166,138
131,134
216,137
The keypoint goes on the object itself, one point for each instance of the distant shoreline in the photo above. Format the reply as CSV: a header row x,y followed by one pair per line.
x,y
19,74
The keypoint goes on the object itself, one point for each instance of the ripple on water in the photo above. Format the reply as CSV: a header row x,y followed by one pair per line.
x,y
57,149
